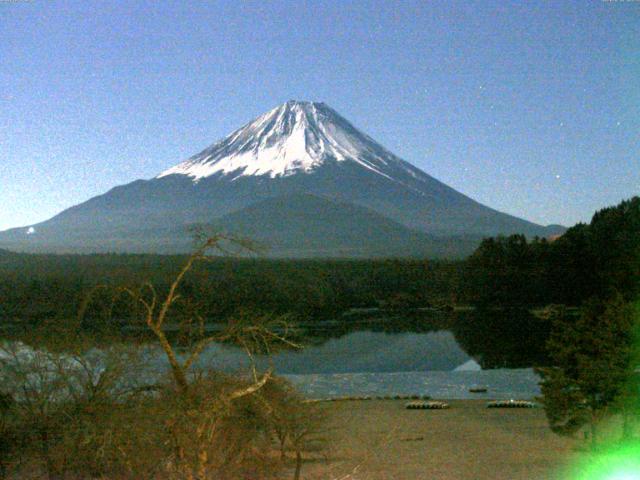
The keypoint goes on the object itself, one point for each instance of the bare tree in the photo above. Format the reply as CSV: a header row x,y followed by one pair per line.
x,y
60,404
202,406
260,333
84,413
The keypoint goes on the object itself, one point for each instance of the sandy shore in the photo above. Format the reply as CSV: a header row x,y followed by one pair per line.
x,y
380,439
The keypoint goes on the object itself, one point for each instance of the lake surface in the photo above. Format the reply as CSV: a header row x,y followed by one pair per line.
x,y
500,384
442,358
382,364
361,351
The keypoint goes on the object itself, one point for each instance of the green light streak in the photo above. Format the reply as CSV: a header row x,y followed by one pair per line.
x,y
619,463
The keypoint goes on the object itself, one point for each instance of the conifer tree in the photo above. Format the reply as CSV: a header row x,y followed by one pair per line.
x,y
593,357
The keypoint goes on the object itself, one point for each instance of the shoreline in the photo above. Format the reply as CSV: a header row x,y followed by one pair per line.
x,y
501,384
382,440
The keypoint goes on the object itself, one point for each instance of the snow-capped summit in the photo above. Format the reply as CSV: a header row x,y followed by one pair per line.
x,y
299,178
294,137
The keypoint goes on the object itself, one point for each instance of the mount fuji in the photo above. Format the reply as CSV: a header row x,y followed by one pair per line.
x,y
299,178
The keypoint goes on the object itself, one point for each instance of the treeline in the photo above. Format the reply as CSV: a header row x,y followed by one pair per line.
x,y
37,288
589,260
69,410
594,351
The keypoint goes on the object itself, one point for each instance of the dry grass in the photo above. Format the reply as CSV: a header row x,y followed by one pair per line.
x,y
375,440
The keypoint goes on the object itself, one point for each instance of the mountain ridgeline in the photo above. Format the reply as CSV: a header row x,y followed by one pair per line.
x,y
300,179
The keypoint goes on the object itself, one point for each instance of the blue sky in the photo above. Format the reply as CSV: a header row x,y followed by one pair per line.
x,y
532,108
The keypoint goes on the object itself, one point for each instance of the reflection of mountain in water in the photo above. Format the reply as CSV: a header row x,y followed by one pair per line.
x,y
424,341
468,366
511,338
434,342
362,351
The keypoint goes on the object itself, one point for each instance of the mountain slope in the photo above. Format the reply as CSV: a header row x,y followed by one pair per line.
x,y
295,149
284,226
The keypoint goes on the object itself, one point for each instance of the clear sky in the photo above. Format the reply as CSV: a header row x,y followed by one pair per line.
x,y
532,108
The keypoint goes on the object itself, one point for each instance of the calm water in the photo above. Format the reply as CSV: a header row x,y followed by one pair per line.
x,y
500,383
380,364
362,351
436,357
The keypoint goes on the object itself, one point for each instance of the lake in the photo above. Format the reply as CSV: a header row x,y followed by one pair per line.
x,y
436,354
381,364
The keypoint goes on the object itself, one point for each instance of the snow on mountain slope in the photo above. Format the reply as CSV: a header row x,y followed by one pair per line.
x,y
293,151
296,137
